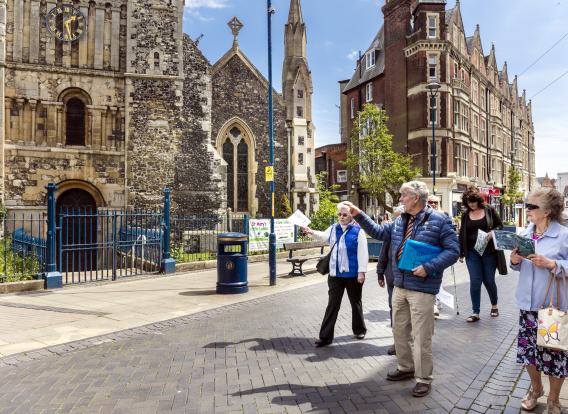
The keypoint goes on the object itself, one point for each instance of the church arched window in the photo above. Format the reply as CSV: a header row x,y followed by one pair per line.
x,y
75,122
236,154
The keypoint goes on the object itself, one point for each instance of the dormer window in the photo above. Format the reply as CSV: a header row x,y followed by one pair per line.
x,y
370,59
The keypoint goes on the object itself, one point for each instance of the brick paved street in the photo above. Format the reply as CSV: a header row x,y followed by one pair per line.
x,y
258,356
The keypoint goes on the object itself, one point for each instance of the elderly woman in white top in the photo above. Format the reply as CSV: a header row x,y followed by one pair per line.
x,y
347,268
544,211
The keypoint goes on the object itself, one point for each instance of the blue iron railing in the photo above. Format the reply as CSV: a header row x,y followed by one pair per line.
x,y
22,246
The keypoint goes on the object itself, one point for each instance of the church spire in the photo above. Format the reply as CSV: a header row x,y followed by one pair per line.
x,y
295,14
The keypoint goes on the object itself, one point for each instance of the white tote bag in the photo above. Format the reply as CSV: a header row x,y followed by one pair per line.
x,y
553,322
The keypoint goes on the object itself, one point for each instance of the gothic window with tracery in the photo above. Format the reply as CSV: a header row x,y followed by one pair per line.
x,y
235,153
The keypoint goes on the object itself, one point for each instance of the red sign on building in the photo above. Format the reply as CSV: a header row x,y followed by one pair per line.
x,y
494,192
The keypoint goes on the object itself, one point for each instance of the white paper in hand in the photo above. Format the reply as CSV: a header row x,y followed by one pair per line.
x,y
299,219
446,298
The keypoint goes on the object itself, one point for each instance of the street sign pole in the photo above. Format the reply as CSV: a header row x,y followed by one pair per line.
x,y
272,238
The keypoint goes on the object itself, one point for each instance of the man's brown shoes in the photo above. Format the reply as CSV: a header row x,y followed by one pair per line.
x,y
399,375
421,389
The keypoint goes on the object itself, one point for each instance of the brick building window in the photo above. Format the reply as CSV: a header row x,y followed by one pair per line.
x,y
476,165
352,108
368,92
342,176
482,98
475,127
474,89
432,66
457,164
456,115
438,157
464,118
435,120
483,137
299,112
432,32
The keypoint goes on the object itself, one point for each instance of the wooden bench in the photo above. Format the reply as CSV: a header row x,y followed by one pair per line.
x,y
297,262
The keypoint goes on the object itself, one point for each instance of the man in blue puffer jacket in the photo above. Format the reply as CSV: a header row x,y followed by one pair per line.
x,y
415,291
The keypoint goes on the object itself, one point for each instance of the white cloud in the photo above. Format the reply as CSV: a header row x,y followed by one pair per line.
x,y
353,55
197,15
210,4
328,43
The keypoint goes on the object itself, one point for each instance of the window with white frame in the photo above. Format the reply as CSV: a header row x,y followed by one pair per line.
x,y
492,135
483,137
476,165
475,127
465,160
438,156
493,172
483,166
498,138
456,115
369,92
482,98
464,118
456,70
432,27
432,66
457,163
503,170
370,59
474,89
435,114
352,108
342,176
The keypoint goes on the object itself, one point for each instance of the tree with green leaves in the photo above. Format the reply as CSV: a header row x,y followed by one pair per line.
x,y
372,162
323,217
512,194
284,210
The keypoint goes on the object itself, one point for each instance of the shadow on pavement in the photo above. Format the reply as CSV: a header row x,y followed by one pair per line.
x,y
305,346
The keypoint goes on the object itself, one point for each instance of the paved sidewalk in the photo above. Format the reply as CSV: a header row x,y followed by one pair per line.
x,y
258,356
34,320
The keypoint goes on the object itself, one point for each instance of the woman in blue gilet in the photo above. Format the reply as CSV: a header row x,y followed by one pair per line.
x,y
347,268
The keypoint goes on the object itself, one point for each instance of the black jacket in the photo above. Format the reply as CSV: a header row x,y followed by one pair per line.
x,y
384,268
493,223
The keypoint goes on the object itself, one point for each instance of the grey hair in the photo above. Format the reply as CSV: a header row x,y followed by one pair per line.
x,y
341,206
417,188
550,199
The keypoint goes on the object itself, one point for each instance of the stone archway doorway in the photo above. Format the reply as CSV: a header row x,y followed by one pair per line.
x,y
77,237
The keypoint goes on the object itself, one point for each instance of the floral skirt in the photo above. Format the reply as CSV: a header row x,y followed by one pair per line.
x,y
553,363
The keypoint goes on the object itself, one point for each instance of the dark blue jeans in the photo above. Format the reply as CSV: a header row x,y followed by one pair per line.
x,y
481,271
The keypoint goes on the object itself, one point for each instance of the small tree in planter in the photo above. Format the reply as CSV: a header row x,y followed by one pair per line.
x,y
284,209
512,193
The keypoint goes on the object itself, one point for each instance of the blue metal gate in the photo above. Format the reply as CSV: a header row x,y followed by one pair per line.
x,y
106,244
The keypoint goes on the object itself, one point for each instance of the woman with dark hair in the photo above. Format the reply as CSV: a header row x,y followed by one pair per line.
x,y
481,268
545,212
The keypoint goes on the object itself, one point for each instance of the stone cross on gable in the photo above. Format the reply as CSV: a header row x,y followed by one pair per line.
x,y
235,25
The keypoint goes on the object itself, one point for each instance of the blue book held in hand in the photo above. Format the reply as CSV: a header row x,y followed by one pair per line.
x,y
416,253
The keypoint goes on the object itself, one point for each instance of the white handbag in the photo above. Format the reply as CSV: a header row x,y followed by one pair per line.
x,y
553,322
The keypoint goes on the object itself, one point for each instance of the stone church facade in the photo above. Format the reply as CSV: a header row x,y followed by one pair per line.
x,y
125,105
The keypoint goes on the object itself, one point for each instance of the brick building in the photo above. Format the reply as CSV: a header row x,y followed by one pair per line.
x,y
482,124
328,160
113,103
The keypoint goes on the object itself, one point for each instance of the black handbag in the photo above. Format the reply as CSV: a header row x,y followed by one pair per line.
x,y
322,265
501,262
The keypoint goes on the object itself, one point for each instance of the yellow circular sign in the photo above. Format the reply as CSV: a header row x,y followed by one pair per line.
x,y
230,265
66,23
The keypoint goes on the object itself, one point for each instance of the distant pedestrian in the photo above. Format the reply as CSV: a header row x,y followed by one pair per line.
x,y
481,268
415,291
544,211
384,271
434,202
348,265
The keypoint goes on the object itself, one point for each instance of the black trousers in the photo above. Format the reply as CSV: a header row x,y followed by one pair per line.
x,y
337,285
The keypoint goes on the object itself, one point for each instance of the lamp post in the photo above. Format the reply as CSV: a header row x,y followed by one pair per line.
x,y
272,237
433,87
512,156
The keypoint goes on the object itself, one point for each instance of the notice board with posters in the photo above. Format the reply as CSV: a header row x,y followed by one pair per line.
x,y
259,232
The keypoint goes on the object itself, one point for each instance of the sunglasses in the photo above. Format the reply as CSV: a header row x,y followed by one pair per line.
x,y
532,207
342,215
433,202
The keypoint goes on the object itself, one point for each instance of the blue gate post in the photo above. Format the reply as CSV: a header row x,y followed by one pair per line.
x,y
53,278
168,264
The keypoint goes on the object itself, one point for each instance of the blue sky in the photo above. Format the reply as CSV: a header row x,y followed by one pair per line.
x,y
522,30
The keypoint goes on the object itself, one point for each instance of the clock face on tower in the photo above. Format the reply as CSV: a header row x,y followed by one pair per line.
x,y
66,23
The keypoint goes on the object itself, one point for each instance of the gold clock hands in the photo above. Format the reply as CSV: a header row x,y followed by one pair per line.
x,y
67,24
